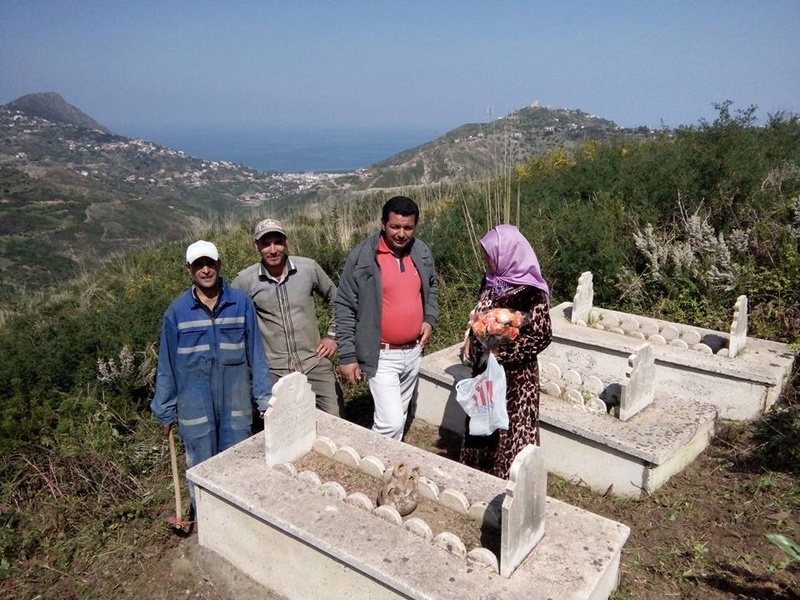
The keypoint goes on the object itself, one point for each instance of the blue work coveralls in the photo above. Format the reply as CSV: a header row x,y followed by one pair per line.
x,y
204,364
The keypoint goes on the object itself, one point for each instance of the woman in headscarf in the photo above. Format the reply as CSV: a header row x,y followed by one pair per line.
x,y
512,280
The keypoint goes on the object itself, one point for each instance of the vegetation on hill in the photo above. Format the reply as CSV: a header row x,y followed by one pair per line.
x,y
479,150
72,195
675,226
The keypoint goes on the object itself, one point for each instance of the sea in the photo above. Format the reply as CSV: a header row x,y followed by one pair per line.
x,y
295,150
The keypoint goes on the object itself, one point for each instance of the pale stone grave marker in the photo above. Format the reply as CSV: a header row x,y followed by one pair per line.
x,y
738,327
584,297
639,389
290,422
523,509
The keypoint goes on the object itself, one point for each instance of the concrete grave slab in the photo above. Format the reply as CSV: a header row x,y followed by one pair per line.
x,y
631,458
300,542
741,388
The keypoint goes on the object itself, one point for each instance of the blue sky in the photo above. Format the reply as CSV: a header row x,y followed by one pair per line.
x,y
142,65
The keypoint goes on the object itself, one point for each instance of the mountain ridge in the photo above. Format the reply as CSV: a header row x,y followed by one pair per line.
x,y
94,194
51,106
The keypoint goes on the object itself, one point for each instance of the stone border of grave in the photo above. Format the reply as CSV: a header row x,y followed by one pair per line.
x,y
582,312
285,533
632,457
590,393
290,432
481,512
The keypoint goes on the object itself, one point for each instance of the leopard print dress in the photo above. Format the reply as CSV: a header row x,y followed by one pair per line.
x,y
495,453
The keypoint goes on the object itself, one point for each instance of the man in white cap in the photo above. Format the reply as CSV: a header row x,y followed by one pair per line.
x,y
209,347
283,289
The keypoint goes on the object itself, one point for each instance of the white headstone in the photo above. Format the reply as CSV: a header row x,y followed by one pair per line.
x,y
738,327
637,392
584,296
290,421
523,509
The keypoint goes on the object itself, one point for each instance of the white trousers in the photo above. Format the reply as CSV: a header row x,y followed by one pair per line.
x,y
393,389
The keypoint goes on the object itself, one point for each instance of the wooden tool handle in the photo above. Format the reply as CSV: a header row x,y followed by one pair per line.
x,y
176,480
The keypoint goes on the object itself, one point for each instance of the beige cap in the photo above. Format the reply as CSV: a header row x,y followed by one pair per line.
x,y
268,226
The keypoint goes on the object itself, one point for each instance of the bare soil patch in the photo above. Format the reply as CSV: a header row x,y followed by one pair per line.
x,y
439,518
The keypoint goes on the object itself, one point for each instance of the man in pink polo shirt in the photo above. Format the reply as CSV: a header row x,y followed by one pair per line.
x,y
386,307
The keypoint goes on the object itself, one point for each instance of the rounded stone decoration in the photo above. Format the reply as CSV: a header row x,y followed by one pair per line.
x,y
287,469
669,332
324,446
334,488
551,388
360,500
630,325
691,337
548,370
572,377
454,500
484,558
618,330
310,477
594,385
649,328
347,456
657,338
419,527
477,511
596,405
574,396
450,542
372,466
703,348
678,343
609,320
390,514
428,489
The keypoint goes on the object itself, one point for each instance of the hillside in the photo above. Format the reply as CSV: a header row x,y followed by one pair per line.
x,y
84,468
92,194
52,107
72,194
479,150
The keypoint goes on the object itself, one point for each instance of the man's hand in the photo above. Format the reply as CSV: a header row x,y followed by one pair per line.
x,y
326,347
167,428
424,334
352,372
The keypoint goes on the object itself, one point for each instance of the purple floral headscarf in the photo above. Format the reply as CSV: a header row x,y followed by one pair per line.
x,y
515,259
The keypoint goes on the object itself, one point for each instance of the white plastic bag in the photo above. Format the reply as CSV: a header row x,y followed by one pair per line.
x,y
483,398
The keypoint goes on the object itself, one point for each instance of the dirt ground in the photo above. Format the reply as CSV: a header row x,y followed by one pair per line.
x,y
701,536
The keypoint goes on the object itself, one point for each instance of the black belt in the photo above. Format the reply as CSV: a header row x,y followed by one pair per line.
x,y
387,346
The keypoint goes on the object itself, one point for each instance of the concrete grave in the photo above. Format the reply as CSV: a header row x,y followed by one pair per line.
x,y
742,376
304,539
580,440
